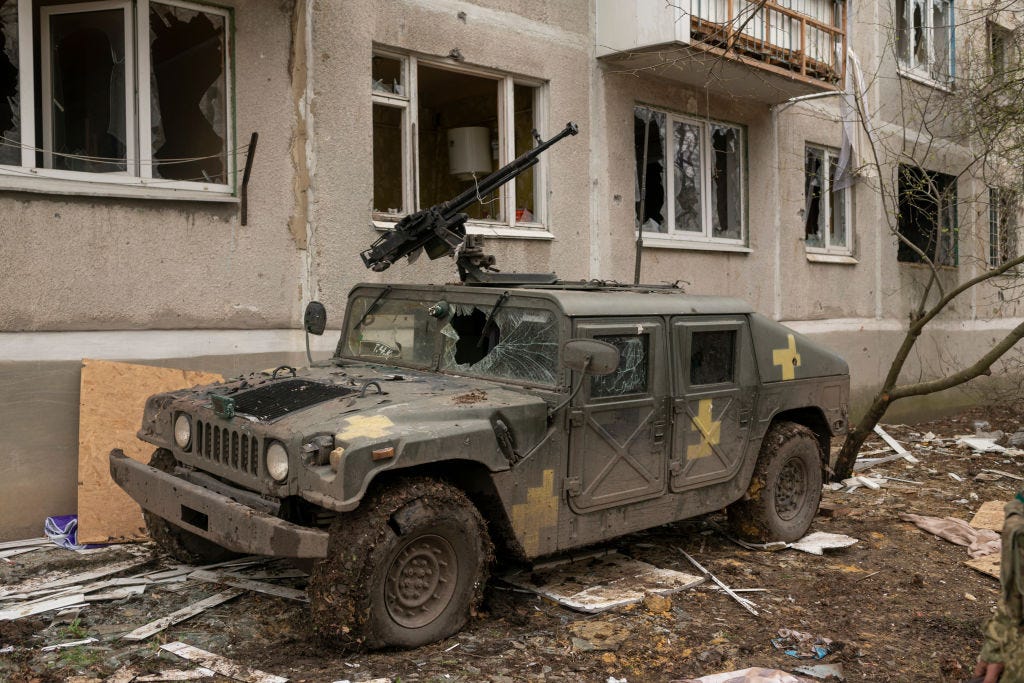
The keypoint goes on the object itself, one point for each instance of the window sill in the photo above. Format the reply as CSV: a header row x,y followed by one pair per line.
x,y
817,257
677,243
25,180
923,80
528,231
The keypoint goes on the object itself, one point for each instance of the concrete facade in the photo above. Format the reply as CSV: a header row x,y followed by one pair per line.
x,y
173,278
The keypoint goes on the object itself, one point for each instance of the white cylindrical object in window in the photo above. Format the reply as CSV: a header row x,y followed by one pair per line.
x,y
469,151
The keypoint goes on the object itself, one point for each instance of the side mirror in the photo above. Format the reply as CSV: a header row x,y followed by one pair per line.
x,y
315,319
590,356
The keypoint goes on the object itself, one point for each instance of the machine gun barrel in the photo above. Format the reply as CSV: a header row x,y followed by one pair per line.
x,y
440,229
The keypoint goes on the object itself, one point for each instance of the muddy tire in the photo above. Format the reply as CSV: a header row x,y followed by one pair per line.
x,y
407,568
180,544
784,492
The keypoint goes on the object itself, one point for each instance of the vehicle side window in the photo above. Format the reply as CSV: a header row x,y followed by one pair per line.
x,y
713,357
631,377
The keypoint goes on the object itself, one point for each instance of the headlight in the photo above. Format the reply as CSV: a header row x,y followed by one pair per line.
x,y
277,461
183,431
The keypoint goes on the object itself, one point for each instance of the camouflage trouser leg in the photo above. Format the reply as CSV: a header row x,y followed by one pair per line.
x,y
1013,662
1004,642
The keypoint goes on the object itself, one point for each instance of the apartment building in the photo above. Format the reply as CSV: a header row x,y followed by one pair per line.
x,y
727,133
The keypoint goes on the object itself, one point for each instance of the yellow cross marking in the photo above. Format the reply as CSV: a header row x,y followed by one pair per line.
x,y
539,512
710,432
787,358
369,426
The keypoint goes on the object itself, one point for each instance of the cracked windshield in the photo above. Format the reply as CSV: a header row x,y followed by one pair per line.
x,y
482,340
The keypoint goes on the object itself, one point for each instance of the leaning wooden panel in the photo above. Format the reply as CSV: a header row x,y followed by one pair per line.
x,y
113,396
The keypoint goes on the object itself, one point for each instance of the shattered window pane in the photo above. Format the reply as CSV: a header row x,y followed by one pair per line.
x,y
387,75
726,190
941,32
713,357
10,94
837,204
631,375
902,32
689,211
189,94
525,123
813,188
520,344
397,330
653,123
388,173
88,116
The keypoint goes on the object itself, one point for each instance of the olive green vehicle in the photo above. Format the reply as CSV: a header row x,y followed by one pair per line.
x,y
457,422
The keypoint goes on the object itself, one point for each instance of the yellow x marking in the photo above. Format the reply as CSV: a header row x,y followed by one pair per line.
x,y
539,512
787,358
710,432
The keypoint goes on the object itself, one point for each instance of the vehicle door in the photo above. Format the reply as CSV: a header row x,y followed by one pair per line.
x,y
714,380
618,443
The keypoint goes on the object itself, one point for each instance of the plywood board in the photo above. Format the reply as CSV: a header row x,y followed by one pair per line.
x,y
990,515
112,400
986,564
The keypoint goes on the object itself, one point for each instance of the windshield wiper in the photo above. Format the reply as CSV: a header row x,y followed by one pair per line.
x,y
490,320
372,307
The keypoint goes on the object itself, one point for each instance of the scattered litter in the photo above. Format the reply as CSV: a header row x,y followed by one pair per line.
x,y
249,584
221,665
955,477
152,627
597,636
822,671
598,584
73,643
986,476
755,675
802,645
13,552
986,564
613,679
980,445
126,674
930,436
979,542
25,543
895,445
44,583
970,597
1016,477
39,606
178,675
855,483
449,649
990,515
63,531
744,602
820,541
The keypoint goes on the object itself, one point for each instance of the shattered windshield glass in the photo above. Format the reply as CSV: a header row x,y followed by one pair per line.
x,y
396,330
518,344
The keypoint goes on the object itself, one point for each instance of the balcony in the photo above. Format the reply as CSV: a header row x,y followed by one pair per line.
x,y
766,50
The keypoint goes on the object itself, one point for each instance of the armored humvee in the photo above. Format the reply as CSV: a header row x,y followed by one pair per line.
x,y
456,421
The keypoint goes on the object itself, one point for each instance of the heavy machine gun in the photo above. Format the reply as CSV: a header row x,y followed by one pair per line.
x,y
441,229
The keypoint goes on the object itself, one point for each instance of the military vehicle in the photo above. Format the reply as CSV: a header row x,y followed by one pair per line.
x,y
513,414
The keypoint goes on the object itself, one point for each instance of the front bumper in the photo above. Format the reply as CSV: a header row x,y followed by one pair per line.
x,y
212,515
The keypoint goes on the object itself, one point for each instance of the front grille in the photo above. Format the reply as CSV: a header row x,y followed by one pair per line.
x,y
276,399
228,447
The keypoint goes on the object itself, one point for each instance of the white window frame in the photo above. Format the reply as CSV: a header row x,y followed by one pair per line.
x,y
508,226
829,153
906,62
138,181
705,238
1000,200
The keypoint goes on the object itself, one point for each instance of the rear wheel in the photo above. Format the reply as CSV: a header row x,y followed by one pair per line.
x,y
405,569
784,492
180,544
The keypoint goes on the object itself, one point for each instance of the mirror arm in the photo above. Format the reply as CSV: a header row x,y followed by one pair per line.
x,y
579,385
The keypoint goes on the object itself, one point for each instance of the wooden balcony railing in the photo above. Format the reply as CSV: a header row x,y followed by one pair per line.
x,y
804,36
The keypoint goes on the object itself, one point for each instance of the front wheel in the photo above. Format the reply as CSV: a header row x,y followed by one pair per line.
x,y
784,492
406,569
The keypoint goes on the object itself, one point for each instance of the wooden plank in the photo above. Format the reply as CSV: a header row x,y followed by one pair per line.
x,y
25,543
145,631
13,552
250,584
178,675
222,665
990,515
112,400
45,583
896,445
39,606
986,564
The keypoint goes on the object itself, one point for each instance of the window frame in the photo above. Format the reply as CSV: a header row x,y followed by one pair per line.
x,y
1003,229
138,180
828,154
705,238
949,210
1007,60
906,63
409,103
691,329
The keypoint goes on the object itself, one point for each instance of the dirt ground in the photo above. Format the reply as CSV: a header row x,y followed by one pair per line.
x,y
898,606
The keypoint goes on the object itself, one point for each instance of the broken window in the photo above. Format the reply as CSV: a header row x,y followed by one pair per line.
x,y
924,37
510,343
825,203
390,330
464,126
120,93
927,216
1000,50
706,176
631,377
10,93
1002,226
712,357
